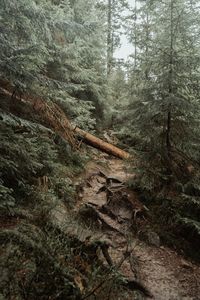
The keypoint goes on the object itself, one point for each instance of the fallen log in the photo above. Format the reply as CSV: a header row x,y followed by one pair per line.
x,y
51,114
58,121
101,145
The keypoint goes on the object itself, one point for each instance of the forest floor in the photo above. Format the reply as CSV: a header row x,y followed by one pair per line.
x,y
165,273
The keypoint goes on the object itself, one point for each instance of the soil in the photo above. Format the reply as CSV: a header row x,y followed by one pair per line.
x,y
165,273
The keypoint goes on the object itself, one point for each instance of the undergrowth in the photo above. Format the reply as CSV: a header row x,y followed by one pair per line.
x,y
36,172
45,250
174,212
171,191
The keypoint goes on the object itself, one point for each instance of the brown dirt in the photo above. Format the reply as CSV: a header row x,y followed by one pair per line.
x,y
166,274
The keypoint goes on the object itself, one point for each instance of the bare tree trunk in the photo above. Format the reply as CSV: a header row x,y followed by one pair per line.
x,y
101,145
169,114
168,140
135,46
147,48
109,39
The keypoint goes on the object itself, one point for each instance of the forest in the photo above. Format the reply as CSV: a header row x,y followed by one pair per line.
x,y
99,149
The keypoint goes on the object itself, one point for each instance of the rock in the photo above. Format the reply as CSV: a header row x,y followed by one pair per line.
x,y
150,237
185,264
153,238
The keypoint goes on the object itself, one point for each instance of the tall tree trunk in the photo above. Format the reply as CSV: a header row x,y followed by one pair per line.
x,y
109,38
147,48
135,46
169,114
168,138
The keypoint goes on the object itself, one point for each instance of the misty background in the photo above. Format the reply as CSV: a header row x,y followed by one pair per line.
x,y
126,48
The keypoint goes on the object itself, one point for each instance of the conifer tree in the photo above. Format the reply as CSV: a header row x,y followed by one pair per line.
x,y
54,49
115,19
166,110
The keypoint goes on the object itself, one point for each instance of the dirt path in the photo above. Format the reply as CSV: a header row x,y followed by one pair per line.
x,y
165,273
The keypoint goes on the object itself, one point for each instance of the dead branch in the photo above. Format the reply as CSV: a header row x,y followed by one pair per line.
x,y
127,283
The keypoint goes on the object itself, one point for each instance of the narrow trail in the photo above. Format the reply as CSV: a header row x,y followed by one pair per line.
x,y
167,275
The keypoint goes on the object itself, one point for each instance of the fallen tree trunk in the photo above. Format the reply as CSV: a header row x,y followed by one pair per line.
x,y
50,113
101,145
57,120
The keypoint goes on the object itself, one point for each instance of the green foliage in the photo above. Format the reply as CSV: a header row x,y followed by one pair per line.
x,y
6,199
176,218
190,224
32,267
55,49
51,50
163,113
36,170
116,98
28,155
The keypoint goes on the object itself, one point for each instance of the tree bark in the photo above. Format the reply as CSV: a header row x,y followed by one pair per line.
x,y
135,46
171,62
101,145
109,38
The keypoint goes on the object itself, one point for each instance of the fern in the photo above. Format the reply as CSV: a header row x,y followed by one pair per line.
x,y
190,224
